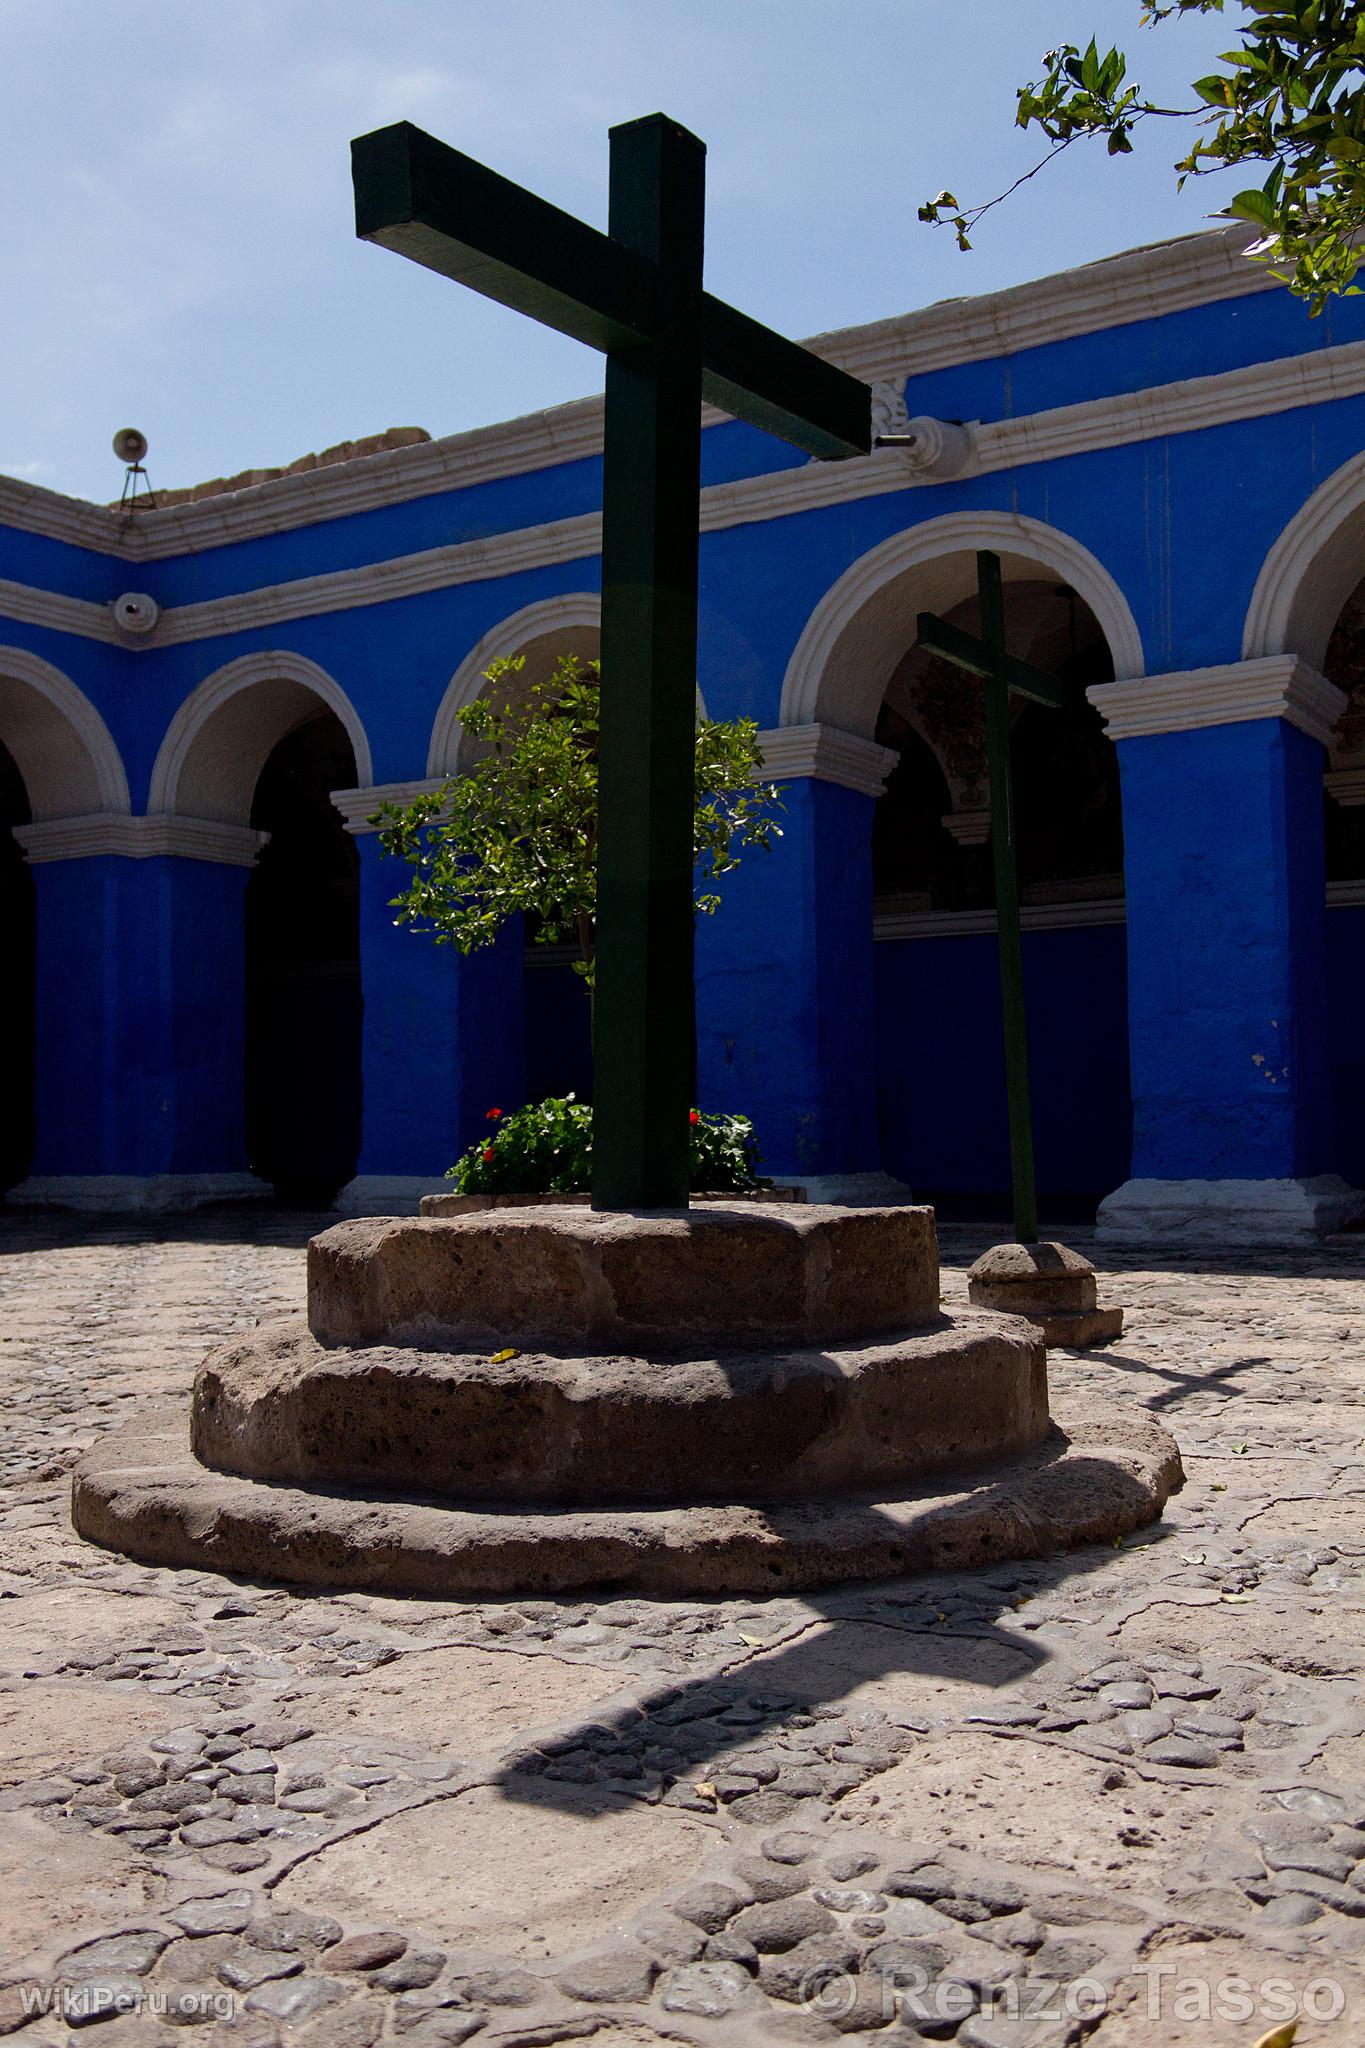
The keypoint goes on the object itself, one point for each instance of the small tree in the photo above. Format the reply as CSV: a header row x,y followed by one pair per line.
x,y
518,834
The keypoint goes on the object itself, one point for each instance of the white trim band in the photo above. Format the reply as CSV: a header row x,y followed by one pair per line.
x,y
825,754
1347,785
957,924
1228,1212
1275,686
1141,284
358,806
151,838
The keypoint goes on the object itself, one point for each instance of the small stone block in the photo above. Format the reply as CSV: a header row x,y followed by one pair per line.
x,y
1051,1285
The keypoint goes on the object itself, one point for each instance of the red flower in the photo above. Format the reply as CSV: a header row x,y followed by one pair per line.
x,y
695,1116
488,1153
493,1115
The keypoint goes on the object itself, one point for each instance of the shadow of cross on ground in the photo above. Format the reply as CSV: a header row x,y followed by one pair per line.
x,y
865,1672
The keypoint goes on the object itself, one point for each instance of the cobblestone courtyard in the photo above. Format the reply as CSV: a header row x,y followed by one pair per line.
x,y
1077,1795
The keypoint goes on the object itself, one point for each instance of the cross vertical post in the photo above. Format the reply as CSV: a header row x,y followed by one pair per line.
x,y
643,1051
636,294
989,658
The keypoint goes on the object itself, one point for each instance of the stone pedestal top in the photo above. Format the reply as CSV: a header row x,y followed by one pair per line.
x,y
570,1278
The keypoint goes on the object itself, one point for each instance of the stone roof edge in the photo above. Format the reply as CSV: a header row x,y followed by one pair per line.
x,y
1140,284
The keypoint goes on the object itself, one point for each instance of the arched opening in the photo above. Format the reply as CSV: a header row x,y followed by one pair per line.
x,y
260,745
940,1085
58,762
303,996
1344,847
18,931
557,1018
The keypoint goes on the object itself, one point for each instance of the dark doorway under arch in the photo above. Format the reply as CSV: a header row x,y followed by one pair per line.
x,y
303,998
18,935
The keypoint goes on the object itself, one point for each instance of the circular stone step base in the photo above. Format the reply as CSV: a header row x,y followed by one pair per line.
x,y
594,1432
1100,1473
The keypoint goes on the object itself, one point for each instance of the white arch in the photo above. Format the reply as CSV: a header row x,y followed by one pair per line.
x,y
61,746
542,632
1310,571
218,741
842,663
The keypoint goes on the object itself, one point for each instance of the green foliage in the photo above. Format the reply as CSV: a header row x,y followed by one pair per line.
x,y
1292,100
546,1148
518,834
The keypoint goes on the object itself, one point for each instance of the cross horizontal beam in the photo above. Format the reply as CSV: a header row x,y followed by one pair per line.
x,y
442,209
979,659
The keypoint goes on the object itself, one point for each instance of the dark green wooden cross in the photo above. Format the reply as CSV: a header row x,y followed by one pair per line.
x,y
1000,673
636,294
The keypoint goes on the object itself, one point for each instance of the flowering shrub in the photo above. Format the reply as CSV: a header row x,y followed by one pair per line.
x,y
545,1148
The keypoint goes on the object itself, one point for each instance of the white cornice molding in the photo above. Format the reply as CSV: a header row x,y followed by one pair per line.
x,y
1347,785
471,561
1142,284
33,509
825,754
149,838
955,924
1275,686
35,607
358,806
1184,407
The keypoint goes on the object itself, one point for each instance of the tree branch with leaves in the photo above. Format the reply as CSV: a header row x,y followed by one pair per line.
x,y
517,835
1292,99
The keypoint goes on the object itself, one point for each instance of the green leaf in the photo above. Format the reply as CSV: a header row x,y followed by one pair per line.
x,y
1252,205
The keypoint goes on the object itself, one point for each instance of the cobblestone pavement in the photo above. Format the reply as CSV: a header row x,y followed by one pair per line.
x,y
1078,1797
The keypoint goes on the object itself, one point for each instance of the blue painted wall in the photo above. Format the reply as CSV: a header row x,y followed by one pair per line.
x,y
847,1054
1226,946
940,1062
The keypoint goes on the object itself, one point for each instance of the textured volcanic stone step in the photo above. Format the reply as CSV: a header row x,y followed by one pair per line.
x,y
277,1404
581,1279
1107,1470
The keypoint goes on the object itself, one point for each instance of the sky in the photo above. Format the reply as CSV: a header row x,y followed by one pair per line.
x,y
177,248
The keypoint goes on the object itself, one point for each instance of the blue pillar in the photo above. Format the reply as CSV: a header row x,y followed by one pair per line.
x,y
443,1041
785,988
1223,838
139,1003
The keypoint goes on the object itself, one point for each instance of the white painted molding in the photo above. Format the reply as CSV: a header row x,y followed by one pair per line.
x,y
929,449
31,606
1142,284
1228,1212
857,633
119,1193
149,838
357,806
968,828
551,627
1310,571
62,747
217,743
1276,686
473,561
1345,895
825,754
1033,917
1347,785
1053,435
34,509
